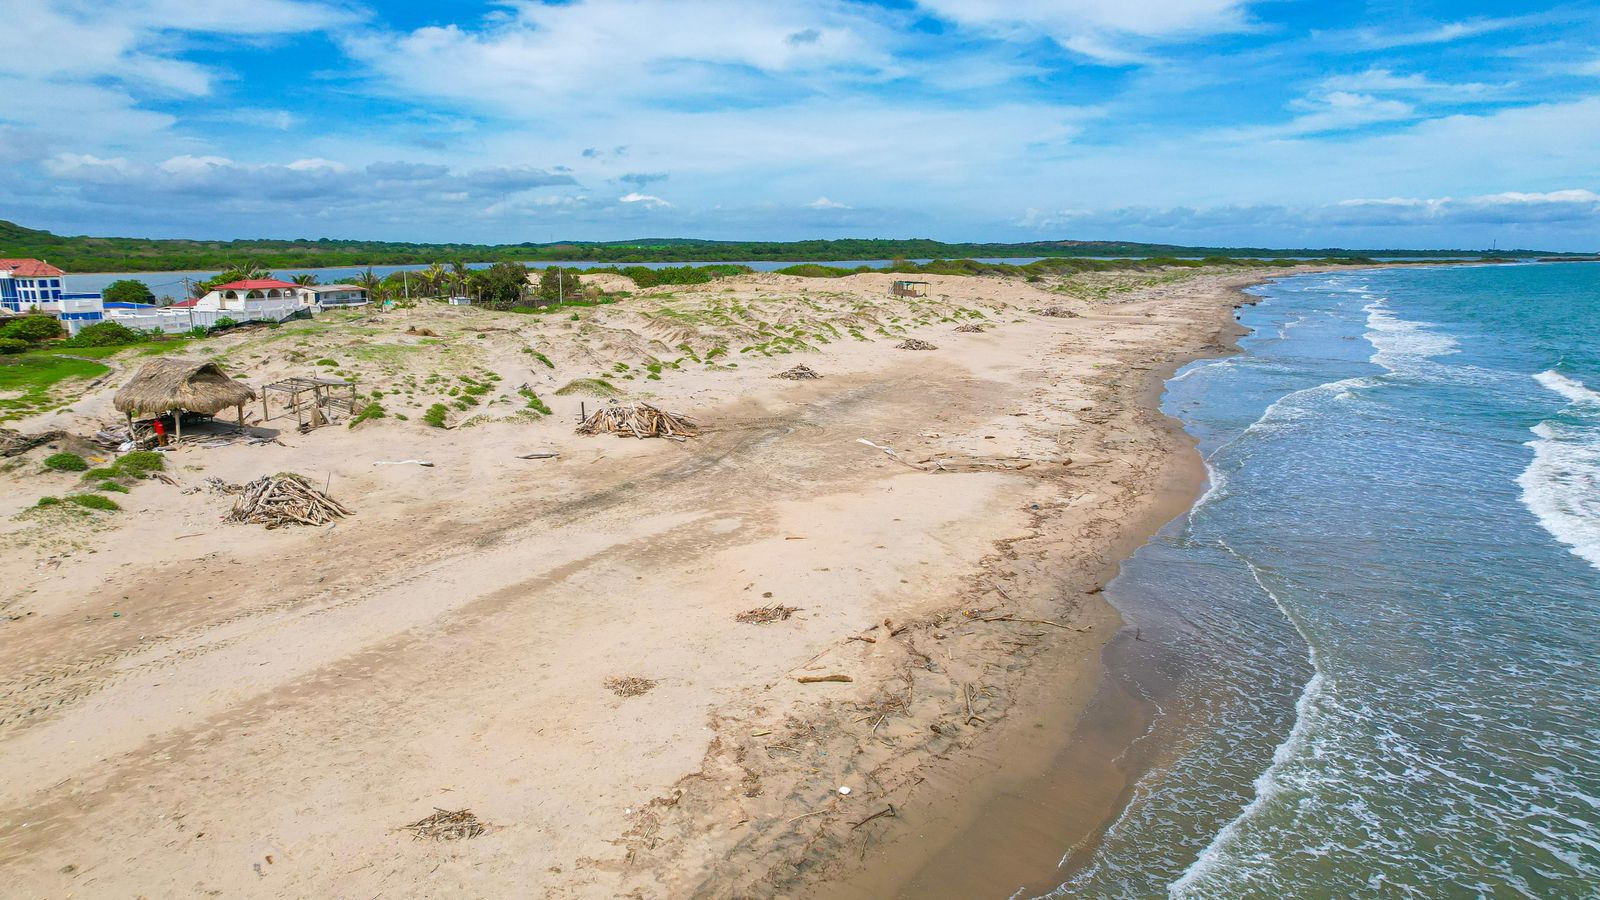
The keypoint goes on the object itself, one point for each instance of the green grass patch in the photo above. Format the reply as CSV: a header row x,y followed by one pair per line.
x,y
66,462
93,501
534,403
111,486
31,377
370,411
436,415
593,387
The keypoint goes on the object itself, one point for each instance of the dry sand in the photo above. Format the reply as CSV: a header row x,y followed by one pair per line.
x,y
192,708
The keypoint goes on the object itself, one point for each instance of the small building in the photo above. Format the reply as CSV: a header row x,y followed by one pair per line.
x,y
29,285
250,295
328,296
26,283
174,387
909,288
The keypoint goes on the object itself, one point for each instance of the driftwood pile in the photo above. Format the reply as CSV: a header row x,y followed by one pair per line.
x,y
631,686
970,328
801,372
763,615
640,420
15,443
914,344
446,825
279,500
1058,312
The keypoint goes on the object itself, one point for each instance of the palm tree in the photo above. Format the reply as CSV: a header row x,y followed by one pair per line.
x,y
305,280
436,277
460,270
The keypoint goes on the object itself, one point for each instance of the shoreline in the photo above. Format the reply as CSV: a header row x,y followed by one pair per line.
x,y
1039,814
974,646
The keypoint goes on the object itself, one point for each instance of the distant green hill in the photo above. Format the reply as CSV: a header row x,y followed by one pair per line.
x,y
101,254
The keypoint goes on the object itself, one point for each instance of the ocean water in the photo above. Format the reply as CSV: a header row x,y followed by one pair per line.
x,y
1375,641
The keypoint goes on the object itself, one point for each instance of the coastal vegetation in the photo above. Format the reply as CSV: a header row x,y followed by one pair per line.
x,y
113,254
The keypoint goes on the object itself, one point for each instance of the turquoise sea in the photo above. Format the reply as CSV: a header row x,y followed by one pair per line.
x,y
1374,643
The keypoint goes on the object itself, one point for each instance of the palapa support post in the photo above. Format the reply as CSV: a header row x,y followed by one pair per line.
x,y
241,418
177,426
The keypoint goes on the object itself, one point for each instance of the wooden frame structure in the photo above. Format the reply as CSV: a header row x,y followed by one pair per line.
x,y
327,395
910,288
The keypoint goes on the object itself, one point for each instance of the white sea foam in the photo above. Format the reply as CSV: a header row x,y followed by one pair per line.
x,y
1399,342
1217,854
1561,486
1574,391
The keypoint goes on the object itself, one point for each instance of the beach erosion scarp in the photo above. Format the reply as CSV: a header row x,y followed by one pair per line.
x,y
264,712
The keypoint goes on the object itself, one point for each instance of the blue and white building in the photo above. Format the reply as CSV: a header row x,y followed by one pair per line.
x,y
30,285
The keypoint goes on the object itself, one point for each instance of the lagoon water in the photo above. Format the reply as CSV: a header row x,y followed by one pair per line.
x,y
1375,641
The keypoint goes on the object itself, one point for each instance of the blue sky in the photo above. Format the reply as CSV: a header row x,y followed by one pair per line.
x,y
1382,124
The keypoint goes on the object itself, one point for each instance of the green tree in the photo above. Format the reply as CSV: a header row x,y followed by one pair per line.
x,y
501,285
127,290
557,283
305,280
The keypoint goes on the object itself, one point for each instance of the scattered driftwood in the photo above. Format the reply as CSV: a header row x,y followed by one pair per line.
x,y
632,686
801,372
762,615
970,328
403,462
640,420
279,500
914,344
446,825
819,679
14,443
1058,312
422,332
541,454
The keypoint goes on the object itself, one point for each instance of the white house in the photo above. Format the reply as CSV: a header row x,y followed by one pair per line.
x,y
250,295
326,296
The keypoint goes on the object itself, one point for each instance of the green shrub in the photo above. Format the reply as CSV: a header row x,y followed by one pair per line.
x,y
139,463
12,345
48,501
540,357
436,414
32,329
65,462
534,403
93,501
370,411
327,362
104,334
111,486
224,323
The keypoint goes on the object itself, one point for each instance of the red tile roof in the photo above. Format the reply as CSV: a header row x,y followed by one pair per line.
x,y
30,268
187,304
255,284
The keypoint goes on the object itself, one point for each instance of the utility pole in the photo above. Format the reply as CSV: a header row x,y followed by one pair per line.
x,y
561,287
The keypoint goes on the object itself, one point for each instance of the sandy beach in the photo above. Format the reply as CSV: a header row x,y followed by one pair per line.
x,y
189,707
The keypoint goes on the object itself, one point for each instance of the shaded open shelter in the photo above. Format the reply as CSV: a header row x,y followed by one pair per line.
x,y
314,401
909,288
177,386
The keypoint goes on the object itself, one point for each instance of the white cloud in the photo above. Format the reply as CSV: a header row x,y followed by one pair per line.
x,y
646,199
1108,31
1377,80
539,56
825,203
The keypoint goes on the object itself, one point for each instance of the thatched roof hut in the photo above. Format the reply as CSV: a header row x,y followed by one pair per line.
x,y
188,385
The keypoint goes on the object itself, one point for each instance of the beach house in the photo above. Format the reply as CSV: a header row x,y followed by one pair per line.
x,y
31,285
328,296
